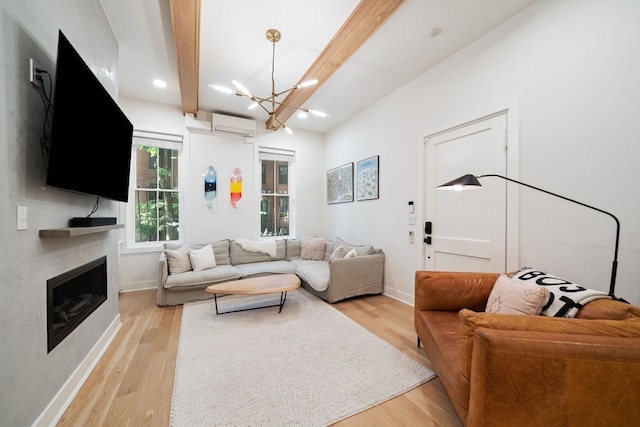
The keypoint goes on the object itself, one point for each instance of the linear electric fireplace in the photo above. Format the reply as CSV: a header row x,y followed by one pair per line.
x,y
72,297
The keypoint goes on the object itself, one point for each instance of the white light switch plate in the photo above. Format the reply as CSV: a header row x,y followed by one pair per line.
x,y
21,217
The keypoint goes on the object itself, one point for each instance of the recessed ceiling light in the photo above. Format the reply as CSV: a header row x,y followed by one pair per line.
x,y
435,32
160,83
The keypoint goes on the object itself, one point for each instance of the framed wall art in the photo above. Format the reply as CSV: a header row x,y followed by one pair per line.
x,y
368,177
340,184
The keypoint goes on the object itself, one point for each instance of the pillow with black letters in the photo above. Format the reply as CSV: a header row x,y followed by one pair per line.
x,y
565,297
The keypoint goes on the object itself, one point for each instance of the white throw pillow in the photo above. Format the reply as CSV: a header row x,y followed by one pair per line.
x,y
178,260
338,253
203,258
352,253
509,297
360,249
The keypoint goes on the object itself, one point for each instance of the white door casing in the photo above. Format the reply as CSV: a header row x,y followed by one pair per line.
x,y
469,228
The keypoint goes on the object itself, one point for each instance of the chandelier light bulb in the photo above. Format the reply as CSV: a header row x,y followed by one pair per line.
x,y
222,89
307,83
302,114
241,88
287,129
318,113
253,105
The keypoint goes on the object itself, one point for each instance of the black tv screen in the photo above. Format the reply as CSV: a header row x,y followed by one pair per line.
x,y
90,147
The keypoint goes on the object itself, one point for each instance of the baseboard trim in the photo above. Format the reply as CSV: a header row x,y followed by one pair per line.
x,y
400,296
138,286
56,408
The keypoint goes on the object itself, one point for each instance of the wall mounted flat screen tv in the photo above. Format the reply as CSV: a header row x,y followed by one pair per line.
x,y
90,146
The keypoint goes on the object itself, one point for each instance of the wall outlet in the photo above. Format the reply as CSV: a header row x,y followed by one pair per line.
x,y
33,65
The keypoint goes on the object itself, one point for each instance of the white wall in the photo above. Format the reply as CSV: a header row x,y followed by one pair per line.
x,y
577,89
30,377
575,68
139,268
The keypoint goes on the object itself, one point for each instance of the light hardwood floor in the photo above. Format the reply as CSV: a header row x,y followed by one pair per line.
x,y
133,382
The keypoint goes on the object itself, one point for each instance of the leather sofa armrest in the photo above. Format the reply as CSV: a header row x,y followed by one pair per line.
x,y
529,378
452,291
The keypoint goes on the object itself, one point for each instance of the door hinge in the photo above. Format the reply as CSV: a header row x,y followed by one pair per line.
x,y
505,141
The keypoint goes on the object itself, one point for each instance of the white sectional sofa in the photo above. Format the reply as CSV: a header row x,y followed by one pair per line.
x,y
327,274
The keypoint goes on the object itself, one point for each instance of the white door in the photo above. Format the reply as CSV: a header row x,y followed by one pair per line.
x,y
467,227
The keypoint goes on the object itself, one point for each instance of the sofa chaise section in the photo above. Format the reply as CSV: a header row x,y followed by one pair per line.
x,y
335,279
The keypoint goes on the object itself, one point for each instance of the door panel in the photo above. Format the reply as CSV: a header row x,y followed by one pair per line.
x,y
468,232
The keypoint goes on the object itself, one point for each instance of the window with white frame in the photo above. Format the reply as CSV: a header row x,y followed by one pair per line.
x,y
154,201
277,192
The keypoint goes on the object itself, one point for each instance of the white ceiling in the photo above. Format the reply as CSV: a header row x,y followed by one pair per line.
x,y
233,45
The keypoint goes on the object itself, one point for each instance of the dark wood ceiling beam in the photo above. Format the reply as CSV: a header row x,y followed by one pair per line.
x,y
185,20
365,19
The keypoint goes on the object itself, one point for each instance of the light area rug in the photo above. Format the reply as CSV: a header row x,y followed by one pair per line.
x,y
310,365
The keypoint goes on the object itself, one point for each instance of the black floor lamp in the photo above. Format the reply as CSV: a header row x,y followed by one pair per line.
x,y
471,181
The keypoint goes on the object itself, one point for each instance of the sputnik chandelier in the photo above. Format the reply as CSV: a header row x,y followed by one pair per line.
x,y
271,103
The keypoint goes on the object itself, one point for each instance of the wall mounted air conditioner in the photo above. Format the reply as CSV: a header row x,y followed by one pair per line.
x,y
233,125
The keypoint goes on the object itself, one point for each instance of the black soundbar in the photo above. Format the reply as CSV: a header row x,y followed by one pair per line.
x,y
91,222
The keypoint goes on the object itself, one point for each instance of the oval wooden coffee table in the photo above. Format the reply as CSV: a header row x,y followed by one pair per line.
x,y
256,285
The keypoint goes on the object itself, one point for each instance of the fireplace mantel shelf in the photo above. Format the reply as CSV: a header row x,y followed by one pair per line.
x,y
78,231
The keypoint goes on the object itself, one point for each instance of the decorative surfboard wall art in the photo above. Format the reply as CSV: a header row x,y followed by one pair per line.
x,y
236,187
210,186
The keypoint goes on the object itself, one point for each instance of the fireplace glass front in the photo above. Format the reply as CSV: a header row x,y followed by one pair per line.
x,y
72,297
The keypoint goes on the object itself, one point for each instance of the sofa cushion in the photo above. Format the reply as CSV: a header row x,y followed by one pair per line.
x,y
360,249
313,248
178,260
220,250
338,253
316,273
329,246
470,321
294,246
203,258
241,256
351,254
221,273
266,267
509,297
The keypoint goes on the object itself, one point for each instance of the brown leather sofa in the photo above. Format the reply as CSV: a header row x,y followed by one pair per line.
x,y
518,370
